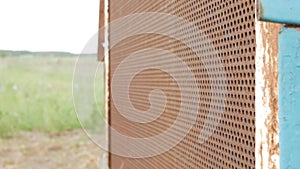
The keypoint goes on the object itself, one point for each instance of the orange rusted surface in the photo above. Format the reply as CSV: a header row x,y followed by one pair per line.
x,y
231,27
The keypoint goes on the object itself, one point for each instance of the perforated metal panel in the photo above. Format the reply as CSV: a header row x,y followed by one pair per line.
x,y
229,24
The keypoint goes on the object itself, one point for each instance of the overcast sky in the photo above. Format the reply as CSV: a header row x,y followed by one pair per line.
x,y
47,25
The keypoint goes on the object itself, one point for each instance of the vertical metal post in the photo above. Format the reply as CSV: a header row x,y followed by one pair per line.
x,y
103,56
288,39
266,96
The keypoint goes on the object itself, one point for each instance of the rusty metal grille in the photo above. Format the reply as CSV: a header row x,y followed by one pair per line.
x,y
230,24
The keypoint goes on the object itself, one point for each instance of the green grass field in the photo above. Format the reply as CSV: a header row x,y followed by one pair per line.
x,y
36,95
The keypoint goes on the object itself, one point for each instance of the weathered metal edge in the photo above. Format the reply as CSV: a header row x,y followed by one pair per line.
x,y
107,77
279,11
266,96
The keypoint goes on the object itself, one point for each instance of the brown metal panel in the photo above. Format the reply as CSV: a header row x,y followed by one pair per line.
x,y
230,24
101,32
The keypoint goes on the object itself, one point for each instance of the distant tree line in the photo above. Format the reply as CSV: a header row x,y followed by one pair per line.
x,y
9,53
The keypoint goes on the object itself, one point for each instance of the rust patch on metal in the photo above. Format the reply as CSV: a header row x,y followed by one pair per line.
x,y
292,26
270,73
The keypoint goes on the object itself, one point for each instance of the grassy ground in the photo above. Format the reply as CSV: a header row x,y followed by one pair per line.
x,y
36,95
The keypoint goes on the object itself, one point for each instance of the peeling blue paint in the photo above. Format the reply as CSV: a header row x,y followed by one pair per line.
x,y
289,98
280,11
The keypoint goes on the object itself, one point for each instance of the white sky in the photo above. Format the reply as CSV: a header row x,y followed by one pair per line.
x,y
47,25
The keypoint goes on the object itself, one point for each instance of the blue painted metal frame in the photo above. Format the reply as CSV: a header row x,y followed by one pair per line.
x,y
280,11
289,97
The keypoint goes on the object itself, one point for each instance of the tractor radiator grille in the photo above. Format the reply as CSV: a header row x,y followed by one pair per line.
x,y
224,78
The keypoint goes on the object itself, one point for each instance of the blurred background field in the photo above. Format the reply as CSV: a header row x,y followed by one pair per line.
x,y
37,116
36,94
39,128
